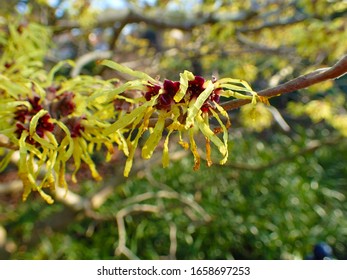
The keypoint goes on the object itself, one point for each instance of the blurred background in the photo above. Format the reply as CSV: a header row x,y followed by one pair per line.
x,y
283,189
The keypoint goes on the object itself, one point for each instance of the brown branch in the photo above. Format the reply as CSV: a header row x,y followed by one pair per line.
x,y
279,23
87,58
168,20
187,21
117,30
11,187
122,248
9,146
242,39
301,82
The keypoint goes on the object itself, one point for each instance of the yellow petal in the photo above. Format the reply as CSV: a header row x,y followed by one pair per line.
x,y
224,114
194,150
153,140
123,69
45,196
195,106
208,152
128,119
122,143
6,160
104,96
224,129
232,84
133,145
34,121
264,100
185,77
56,68
166,156
204,128
77,155
183,143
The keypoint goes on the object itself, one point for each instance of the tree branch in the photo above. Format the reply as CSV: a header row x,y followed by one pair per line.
x,y
117,30
87,58
263,48
9,146
169,20
273,24
301,82
122,247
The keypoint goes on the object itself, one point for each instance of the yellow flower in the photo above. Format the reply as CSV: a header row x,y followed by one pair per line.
x,y
185,106
256,117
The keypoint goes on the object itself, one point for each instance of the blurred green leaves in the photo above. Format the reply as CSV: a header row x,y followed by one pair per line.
x,y
253,210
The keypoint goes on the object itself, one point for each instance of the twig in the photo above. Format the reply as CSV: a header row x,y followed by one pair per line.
x,y
9,146
263,48
173,241
122,248
72,200
279,23
11,187
117,30
88,57
301,82
3,236
171,195
101,196
189,21
4,254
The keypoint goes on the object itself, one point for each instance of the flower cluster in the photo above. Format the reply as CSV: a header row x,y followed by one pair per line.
x,y
24,116
185,110
55,125
46,118
53,129
55,122
185,106
169,89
